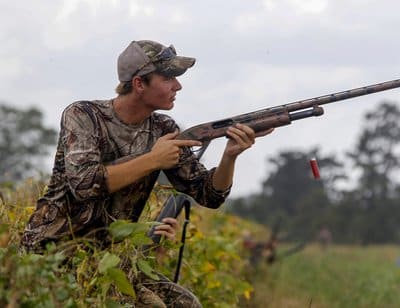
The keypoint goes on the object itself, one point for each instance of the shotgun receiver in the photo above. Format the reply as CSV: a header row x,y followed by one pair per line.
x,y
262,120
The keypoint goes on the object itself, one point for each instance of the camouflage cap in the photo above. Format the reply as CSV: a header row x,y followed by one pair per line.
x,y
144,57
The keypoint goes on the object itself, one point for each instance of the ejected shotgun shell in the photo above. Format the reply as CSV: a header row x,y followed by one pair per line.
x,y
314,168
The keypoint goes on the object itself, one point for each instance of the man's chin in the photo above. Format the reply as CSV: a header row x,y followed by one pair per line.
x,y
171,105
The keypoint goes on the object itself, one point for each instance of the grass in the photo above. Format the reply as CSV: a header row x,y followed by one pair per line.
x,y
341,276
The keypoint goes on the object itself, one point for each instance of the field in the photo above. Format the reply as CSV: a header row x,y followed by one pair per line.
x,y
216,267
339,276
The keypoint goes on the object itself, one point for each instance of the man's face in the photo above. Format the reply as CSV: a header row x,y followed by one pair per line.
x,y
160,92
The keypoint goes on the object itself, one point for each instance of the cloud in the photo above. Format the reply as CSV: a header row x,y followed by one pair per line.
x,y
299,6
137,9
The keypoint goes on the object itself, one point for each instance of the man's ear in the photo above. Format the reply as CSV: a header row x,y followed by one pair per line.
x,y
137,84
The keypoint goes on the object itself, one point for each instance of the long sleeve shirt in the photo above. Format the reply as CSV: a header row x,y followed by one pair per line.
x,y
92,137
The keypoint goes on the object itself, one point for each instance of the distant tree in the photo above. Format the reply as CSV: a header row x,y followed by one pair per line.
x,y
290,193
291,179
377,157
24,142
292,190
377,154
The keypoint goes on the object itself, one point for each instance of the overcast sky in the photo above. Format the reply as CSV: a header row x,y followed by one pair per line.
x,y
250,55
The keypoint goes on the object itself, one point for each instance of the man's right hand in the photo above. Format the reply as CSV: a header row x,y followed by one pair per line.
x,y
164,155
167,149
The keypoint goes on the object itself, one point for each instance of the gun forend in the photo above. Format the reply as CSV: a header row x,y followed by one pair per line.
x,y
258,121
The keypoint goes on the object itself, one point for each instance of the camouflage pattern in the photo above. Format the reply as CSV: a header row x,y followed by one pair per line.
x,y
163,293
144,57
77,201
159,293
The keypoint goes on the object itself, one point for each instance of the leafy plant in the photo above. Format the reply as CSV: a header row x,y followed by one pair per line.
x,y
77,274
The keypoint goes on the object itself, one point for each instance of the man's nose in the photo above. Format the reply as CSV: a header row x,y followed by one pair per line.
x,y
177,85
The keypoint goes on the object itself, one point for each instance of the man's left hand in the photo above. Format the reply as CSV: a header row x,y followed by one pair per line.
x,y
168,228
241,137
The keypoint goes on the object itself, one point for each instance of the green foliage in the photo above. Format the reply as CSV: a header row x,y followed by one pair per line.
x,y
340,276
213,265
121,229
31,280
77,274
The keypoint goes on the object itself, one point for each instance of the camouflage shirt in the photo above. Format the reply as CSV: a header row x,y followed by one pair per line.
x,y
91,137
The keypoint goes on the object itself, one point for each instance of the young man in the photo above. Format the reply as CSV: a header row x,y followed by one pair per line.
x,y
110,153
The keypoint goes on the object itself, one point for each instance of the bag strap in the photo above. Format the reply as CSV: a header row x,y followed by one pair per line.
x,y
183,239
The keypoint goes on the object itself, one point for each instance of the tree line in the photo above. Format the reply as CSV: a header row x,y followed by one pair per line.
x,y
361,210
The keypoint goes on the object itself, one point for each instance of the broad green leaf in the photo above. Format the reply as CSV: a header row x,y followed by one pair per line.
x,y
108,261
141,239
142,227
121,281
147,269
121,229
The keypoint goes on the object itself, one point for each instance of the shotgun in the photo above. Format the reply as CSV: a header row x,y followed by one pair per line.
x,y
262,120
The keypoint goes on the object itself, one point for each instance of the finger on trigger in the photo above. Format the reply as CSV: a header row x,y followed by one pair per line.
x,y
187,143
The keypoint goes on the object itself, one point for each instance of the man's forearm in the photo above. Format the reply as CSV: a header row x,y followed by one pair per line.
x,y
123,174
223,175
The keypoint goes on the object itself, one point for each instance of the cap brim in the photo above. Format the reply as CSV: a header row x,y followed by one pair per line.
x,y
175,66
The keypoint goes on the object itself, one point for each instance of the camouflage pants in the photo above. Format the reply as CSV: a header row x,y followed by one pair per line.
x,y
164,293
